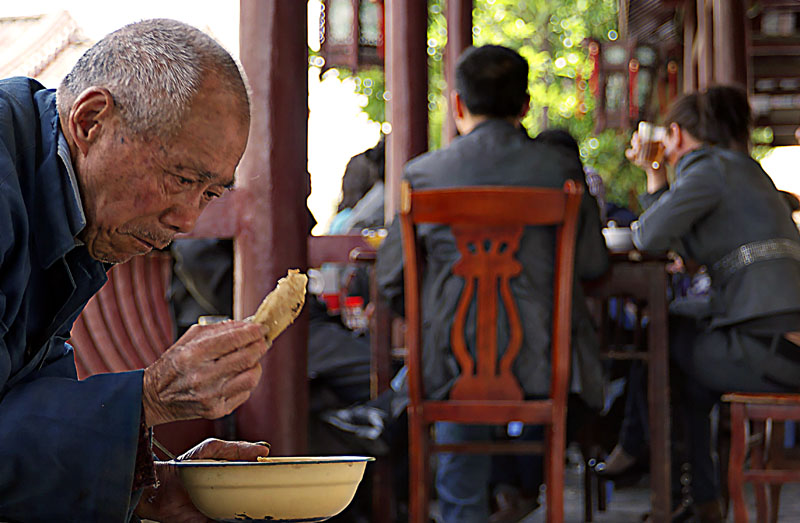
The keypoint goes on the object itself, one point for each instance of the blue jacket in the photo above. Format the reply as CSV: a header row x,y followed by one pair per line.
x,y
67,447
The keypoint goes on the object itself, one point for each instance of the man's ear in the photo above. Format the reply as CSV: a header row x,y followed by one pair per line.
x,y
525,107
457,103
90,112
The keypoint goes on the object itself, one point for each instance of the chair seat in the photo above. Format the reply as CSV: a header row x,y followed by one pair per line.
x,y
762,398
489,412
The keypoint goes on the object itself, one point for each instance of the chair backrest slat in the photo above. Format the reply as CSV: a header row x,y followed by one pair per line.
x,y
487,224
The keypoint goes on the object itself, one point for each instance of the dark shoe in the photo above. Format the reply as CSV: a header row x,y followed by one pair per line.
x,y
709,512
621,468
366,424
512,506
616,463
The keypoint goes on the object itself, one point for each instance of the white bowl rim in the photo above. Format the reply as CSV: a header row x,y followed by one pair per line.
x,y
274,460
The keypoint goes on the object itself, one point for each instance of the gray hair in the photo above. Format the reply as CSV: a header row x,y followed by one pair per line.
x,y
153,69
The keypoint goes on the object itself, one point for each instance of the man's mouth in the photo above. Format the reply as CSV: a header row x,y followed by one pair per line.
x,y
144,243
152,243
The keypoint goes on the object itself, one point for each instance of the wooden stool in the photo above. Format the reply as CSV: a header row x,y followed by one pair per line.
x,y
768,465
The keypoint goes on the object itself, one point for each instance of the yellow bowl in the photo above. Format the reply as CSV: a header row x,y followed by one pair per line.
x,y
278,489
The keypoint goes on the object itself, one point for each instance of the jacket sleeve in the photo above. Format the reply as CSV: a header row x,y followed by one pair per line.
x,y
389,268
591,253
694,193
67,447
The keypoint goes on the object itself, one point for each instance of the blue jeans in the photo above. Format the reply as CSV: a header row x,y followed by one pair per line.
x,y
462,480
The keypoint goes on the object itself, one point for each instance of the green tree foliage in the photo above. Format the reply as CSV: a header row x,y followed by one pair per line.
x,y
551,35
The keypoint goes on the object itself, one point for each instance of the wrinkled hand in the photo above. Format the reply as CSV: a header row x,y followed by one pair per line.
x,y
209,372
170,502
656,178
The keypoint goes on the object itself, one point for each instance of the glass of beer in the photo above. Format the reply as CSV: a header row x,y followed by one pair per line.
x,y
651,144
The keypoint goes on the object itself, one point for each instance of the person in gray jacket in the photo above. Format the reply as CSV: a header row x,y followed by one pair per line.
x,y
723,212
488,103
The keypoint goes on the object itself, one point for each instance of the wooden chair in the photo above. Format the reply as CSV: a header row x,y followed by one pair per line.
x,y
769,464
487,223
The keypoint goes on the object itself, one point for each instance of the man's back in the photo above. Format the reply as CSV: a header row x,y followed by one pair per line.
x,y
498,153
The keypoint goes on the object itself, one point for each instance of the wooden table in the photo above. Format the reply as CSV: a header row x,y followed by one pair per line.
x,y
644,279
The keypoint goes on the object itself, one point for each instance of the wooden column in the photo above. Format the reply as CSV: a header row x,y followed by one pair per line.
x,y
689,55
730,66
459,37
407,88
705,57
272,227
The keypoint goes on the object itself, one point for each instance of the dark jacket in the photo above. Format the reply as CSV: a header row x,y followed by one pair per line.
x,y
497,153
67,447
721,200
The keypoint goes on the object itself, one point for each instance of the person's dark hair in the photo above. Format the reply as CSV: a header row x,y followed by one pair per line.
x,y
559,137
719,116
728,116
685,111
492,80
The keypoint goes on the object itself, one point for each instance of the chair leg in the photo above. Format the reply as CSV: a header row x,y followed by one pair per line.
x,y
777,460
602,495
774,501
419,463
555,442
588,481
736,463
757,463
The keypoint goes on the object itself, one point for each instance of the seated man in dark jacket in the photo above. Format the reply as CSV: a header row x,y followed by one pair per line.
x,y
489,101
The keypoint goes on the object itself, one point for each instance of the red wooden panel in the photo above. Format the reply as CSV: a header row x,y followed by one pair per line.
x,y
128,324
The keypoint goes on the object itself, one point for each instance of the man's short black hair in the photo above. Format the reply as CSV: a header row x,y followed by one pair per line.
x,y
492,80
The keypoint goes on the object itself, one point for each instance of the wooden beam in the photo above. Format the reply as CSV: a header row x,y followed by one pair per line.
x,y
459,37
689,45
273,229
729,42
407,89
705,44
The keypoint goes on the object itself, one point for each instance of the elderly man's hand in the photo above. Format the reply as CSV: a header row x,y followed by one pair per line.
x,y
207,373
170,502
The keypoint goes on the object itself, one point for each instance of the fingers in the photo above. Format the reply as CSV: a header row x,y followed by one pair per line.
x,y
213,448
208,373
218,339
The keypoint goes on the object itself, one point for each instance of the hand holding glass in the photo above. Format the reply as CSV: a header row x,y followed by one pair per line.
x,y
651,144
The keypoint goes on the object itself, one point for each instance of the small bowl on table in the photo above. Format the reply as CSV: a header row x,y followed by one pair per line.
x,y
275,489
618,239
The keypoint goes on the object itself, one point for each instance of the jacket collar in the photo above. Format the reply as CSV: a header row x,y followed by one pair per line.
x,y
692,156
57,206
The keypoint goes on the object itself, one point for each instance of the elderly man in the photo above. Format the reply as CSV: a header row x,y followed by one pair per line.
x,y
144,132
489,101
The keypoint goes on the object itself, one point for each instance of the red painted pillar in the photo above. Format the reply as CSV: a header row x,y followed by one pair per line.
x,y
459,37
705,56
407,87
689,37
730,50
272,226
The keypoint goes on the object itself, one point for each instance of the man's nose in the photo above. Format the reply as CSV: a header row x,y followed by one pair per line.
x,y
182,216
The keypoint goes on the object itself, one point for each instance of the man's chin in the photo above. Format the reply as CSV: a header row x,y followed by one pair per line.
x,y
114,257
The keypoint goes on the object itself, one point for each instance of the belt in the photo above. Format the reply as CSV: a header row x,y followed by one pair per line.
x,y
753,252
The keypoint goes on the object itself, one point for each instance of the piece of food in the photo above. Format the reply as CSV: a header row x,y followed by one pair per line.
x,y
281,306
